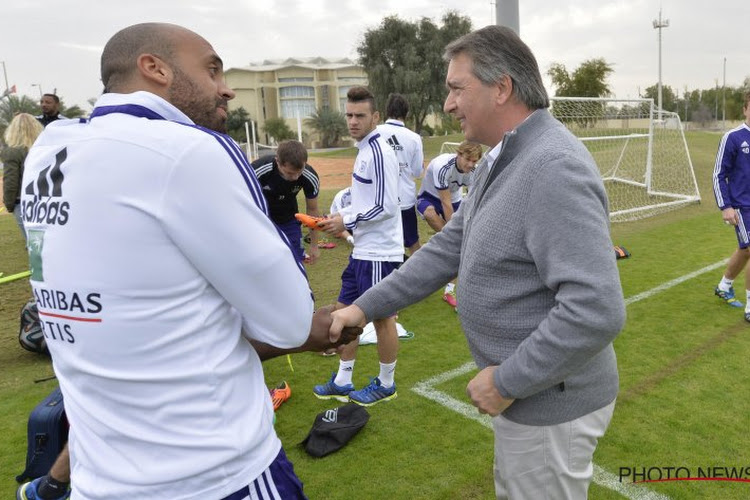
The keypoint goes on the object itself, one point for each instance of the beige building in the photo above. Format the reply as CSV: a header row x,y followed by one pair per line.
x,y
293,89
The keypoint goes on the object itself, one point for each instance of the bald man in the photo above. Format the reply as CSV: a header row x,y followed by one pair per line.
x,y
156,312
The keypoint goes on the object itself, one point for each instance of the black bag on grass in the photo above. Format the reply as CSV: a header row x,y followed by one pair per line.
x,y
47,435
334,428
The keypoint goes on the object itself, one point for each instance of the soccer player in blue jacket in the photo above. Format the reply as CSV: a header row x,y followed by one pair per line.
x,y
732,191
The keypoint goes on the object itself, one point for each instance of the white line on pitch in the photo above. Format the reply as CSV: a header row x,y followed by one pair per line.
x,y
674,282
601,476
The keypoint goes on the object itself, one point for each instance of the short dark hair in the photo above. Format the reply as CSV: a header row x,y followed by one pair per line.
x,y
293,153
53,96
361,94
120,55
397,106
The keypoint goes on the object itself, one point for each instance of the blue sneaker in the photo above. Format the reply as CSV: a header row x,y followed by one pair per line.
x,y
728,297
330,390
374,393
28,491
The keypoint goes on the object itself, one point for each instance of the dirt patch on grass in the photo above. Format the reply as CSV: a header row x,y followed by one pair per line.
x,y
334,173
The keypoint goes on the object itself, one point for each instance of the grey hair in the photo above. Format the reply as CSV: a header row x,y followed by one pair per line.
x,y
497,51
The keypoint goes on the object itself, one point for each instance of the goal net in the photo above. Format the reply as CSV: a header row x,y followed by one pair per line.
x,y
641,153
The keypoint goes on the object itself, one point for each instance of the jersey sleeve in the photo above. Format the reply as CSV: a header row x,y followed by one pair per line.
x,y
417,161
440,177
722,171
219,222
311,184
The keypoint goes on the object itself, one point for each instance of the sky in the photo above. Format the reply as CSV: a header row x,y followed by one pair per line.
x,y
55,45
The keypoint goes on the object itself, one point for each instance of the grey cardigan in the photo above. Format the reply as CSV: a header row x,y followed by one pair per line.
x,y
538,288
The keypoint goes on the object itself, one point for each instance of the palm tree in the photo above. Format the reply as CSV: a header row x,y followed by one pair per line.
x,y
330,126
11,105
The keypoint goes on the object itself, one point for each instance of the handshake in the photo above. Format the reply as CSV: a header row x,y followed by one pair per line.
x,y
332,329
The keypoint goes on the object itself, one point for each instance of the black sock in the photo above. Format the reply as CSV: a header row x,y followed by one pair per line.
x,y
50,488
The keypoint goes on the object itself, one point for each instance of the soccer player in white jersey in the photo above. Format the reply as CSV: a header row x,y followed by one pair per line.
x,y
408,148
732,192
158,276
440,194
374,218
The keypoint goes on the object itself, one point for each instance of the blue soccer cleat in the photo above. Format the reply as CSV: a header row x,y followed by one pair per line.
x,y
728,297
374,393
28,491
330,390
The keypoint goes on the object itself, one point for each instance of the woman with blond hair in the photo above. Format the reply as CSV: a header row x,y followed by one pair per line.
x,y
19,136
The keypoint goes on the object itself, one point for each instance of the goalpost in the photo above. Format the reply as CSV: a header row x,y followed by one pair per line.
x,y
644,162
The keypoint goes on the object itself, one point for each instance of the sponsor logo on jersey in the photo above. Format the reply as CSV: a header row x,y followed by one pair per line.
x,y
46,207
745,147
393,142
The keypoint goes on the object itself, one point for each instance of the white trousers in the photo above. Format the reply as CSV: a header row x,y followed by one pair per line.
x,y
547,462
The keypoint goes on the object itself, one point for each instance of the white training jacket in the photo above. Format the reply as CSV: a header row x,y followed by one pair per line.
x,y
374,216
408,148
152,249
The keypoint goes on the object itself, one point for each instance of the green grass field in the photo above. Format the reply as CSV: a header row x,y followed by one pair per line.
x,y
682,358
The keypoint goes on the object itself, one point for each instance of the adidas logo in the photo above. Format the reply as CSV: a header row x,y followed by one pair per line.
x,y
745,147
393,142
43,208
331,416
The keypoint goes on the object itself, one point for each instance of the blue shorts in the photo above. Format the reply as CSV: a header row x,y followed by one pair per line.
x,y
425,200
278,476
409,224
361,275
293,232
741,228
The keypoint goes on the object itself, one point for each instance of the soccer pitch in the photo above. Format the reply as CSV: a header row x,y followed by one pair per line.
x,y
682,359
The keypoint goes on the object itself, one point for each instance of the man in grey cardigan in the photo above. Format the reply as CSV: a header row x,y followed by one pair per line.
x,y
541,300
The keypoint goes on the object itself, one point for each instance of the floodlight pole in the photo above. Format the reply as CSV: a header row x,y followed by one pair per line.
x,y
659,24
506,14
40,89
5,73
724,98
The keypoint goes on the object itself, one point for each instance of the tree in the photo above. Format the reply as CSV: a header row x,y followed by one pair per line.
x,y
11,105
330,126
668,96
278,129
588,80
236,119
406,57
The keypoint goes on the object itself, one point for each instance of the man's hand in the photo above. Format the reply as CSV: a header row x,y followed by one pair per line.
x,y
729,215
346,322
333,225
322,336
483,394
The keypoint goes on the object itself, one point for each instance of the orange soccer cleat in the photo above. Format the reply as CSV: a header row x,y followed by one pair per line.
x,y
309,220
279,394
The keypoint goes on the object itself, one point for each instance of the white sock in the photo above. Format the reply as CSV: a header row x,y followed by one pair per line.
x,y
344,375
449,287
387,374
725,284
747,300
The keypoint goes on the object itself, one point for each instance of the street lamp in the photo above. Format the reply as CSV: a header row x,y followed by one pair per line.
x,y
659,24
40,89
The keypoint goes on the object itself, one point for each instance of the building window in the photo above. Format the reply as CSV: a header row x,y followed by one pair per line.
x,y
297,101
296,79
342,98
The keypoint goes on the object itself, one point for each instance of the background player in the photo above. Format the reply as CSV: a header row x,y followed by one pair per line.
x,y
374,218
408,148
732,191
441,192
282,176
